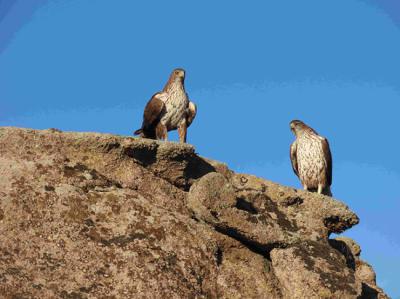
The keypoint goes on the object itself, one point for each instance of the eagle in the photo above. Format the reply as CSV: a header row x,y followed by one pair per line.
x,y
168,110
311,158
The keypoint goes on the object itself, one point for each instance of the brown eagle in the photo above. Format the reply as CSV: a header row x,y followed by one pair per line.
x,y
311,158
168,110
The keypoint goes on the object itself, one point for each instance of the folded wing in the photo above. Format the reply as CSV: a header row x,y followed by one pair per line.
x,y
328,159
151,117
293,157
191,113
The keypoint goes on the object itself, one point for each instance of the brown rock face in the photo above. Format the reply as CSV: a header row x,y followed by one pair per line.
x,y
85,215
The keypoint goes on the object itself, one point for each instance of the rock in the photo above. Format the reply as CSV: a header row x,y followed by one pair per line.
x,y
213,200
209,196
315,216
363,271
351,244
244,274
314,270
87,215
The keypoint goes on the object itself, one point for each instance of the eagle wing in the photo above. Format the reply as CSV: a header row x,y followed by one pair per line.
x,y
328,159
151,116
191,113
293,157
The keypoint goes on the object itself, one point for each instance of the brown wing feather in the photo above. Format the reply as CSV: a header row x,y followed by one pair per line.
x,y
191,113
151,117
293,157
152,111
328,159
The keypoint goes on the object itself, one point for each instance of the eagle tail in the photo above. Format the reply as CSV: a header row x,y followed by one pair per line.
x,y
327,191
138,132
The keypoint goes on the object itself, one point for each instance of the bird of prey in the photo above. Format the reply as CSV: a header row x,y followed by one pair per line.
x,y
311,158
168,110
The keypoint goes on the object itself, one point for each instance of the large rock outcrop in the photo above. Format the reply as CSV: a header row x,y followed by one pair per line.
x,y
85,215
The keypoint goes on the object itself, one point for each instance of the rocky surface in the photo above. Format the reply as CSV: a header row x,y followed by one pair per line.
x,y
85,215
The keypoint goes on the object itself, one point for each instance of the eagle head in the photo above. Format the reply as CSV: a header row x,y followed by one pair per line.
x,y
178,74
176,80
297,126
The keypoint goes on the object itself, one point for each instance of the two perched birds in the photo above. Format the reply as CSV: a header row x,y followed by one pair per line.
x,y
171,109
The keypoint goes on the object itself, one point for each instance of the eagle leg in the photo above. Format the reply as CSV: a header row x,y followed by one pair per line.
x,y
320,188
182,132
161,132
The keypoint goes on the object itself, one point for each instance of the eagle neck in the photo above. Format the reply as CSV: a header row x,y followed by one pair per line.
x,y
174,85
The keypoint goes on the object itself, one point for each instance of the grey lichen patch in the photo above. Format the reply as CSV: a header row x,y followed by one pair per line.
x,y
338,224
268,210
292,201
331,274
49,188
78,210
78,169
112,199
123,240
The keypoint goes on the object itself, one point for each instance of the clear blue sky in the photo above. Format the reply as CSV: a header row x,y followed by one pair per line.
x,y
252,66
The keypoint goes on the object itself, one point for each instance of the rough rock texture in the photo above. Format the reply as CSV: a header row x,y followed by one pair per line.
x,y
363,271
85,215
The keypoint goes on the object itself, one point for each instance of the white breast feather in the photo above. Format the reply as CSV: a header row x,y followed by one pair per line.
x,y
310,161
175,107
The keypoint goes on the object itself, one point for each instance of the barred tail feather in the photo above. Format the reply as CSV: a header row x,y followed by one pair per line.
x,y
327,191
138,132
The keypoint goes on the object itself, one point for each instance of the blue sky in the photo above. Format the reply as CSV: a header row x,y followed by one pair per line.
x,y
251,66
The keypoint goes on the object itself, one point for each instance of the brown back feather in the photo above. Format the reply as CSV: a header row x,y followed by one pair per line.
x,y
328,159
153,110
151,117
293,157
191,113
